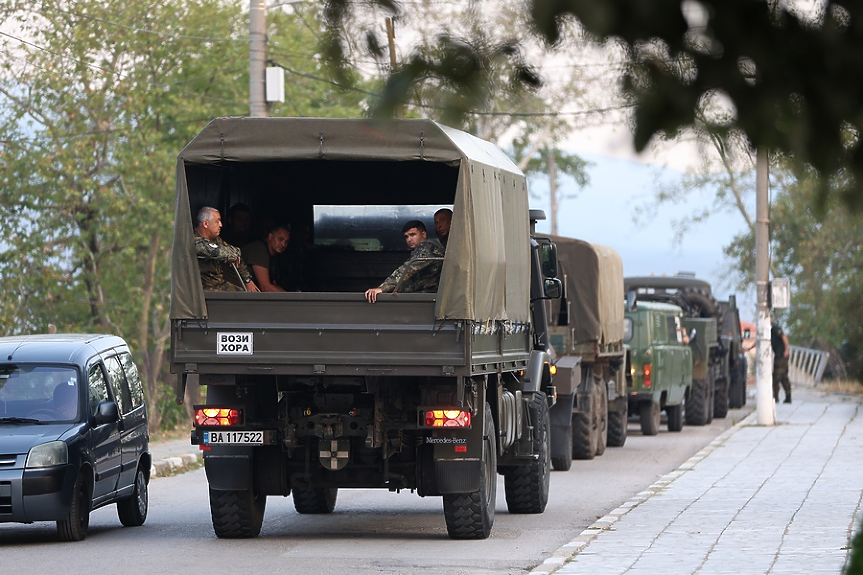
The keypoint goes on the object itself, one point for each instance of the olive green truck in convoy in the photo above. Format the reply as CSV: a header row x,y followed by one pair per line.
x,y
661,364
309,392
586,326
718,372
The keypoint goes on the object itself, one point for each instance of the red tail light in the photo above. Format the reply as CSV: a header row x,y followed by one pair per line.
x,y
647,370
217,416
447,418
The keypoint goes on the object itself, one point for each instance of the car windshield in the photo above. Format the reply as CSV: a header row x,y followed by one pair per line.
x,y
39,392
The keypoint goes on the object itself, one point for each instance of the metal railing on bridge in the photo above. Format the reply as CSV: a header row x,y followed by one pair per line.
x,y
806,366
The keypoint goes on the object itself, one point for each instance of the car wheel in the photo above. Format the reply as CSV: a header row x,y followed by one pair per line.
x,y
74,527
133,510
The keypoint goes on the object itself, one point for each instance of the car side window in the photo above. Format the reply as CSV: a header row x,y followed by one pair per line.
x,y
133,377
97,387
117,381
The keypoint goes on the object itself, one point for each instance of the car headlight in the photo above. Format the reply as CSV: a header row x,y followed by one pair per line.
x,y
48,455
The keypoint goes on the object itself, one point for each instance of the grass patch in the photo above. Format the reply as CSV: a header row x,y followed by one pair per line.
x,y
841,386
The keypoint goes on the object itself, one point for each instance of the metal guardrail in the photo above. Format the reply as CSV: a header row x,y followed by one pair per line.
x,y
806,366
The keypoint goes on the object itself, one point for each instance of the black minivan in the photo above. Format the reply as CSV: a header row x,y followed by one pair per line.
x,y
73,431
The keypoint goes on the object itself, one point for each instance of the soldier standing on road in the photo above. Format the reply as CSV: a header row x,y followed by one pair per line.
x,y
781,351
421,273
217,258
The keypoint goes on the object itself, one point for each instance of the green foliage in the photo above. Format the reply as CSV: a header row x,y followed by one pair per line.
x,y
786,74
822,255
96,101
855,563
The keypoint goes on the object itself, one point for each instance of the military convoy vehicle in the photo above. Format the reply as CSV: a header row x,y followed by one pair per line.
x,y
586,327
715,349
661,364
309,392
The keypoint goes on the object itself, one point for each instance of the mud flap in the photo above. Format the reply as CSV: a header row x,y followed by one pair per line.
x,y
560,415
228,472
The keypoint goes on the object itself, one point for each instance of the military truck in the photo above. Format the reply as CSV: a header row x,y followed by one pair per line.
x,y
711,347
586,327
309,392
732,335
661,364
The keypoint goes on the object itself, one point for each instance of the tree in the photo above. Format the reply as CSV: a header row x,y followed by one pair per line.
x,y
785,72
822,257
460,67
96,101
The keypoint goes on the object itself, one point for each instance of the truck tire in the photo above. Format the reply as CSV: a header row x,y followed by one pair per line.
x,y
601,415
720,398
674,413
583,441
237,514
564,462
471,515
737,391
526,486
649,416
696,403
711,393
702,303
315,501
132,511
617,427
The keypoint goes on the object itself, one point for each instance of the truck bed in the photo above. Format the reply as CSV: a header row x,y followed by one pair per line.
x,y
339,334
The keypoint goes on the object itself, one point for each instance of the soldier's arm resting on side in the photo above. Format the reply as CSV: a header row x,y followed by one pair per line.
x,y
262,279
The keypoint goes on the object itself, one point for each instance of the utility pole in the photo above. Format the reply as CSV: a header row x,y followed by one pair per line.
x,y
766,406
257,59
552,189
391,41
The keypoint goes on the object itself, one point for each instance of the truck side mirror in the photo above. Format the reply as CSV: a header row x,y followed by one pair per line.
x,y
548,257
552,287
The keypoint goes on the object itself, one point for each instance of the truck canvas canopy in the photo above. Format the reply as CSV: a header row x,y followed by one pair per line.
x,y
592,276
354,162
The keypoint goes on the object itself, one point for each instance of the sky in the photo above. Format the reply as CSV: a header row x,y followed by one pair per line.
x,y
603,213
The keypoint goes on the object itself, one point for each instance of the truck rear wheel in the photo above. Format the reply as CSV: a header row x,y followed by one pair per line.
x,y
649,416
617,427
720,399
526,486
696,403
564,462
674,413
237,514
583,441
315,501
601,414
471,515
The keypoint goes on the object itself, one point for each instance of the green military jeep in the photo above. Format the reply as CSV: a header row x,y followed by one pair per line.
x,y
661,364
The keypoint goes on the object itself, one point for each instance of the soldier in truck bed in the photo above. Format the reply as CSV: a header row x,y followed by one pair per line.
x,y
421,273
216,258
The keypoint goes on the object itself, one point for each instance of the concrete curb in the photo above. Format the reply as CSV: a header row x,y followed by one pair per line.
x,y
565,553
176,465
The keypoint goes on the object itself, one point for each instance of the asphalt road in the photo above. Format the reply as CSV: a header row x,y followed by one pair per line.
x,y
370,531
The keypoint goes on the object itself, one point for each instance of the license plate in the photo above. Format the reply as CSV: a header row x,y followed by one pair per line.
x,y
233,438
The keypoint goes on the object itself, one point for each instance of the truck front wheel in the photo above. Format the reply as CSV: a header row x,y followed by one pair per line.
x,y
526,486
237,514
471,515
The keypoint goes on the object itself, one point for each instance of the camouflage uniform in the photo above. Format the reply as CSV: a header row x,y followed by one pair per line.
x,y
780,363
420,274
214,260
